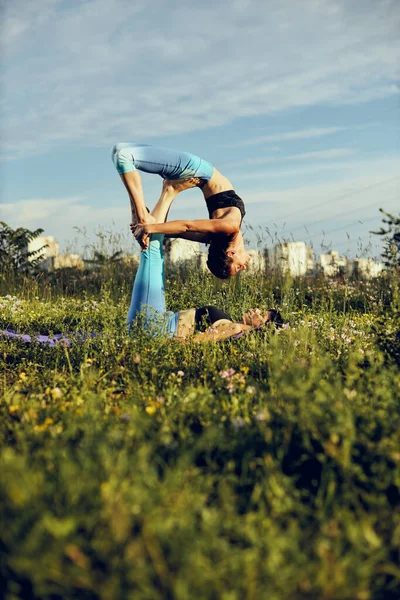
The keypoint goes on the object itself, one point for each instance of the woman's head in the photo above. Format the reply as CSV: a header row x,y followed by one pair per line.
x,y
224,261
256,318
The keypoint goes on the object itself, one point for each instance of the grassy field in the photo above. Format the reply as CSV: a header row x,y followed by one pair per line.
x,y
263,468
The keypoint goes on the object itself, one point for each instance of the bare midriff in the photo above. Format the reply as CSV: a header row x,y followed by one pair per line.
x,y
186,322
217,184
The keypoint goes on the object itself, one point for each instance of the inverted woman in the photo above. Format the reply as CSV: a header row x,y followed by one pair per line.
x,y
180,171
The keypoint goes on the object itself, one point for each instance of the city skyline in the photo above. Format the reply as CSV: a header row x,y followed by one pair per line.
x,y
294,257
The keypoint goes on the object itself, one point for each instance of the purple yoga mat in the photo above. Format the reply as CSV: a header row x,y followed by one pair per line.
x,y
47,340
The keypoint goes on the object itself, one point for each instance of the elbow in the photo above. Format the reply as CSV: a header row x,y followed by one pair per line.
x,y
232,230
237,328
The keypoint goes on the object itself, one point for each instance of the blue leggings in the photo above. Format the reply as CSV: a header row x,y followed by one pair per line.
x,y
148,301
169,164
148,293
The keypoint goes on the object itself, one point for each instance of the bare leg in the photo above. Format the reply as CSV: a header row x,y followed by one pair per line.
x,y
161,209
170,189
133,184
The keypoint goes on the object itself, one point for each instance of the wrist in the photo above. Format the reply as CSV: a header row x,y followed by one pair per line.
x,y
141,215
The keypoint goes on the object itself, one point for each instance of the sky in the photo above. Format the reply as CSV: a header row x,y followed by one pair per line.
x,y
297,102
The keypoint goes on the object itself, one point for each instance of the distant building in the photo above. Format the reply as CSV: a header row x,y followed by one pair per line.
x,y
52,260
257,262
48,240
62,261
367,268
203,257
291,257
179,250
332,264
65,261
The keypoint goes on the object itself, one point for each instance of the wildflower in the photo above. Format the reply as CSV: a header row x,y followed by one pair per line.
x,y
262,416
345,338
350,394
228,373
250,390
180,373
136,359
238,423
56,393
151,409
43,426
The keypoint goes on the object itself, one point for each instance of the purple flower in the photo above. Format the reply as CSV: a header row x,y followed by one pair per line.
x,y
229,373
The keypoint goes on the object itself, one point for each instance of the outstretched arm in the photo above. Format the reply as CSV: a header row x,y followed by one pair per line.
x,y
207,226
221,331
227,226
192,236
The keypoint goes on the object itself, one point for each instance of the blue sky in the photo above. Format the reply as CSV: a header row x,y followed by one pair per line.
x,y
297,102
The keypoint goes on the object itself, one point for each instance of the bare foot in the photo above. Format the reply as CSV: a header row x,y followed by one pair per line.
x,y
179,185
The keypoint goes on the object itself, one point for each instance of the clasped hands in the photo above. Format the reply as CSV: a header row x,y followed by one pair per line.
x,y
141,233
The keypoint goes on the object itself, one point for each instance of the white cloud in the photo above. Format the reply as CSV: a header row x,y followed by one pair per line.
x,y
103,70
60,212
62,217
331,199
317,155
290,135
337,213
35,210
379,166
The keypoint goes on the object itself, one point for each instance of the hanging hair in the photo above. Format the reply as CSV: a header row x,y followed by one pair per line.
x,y
218,262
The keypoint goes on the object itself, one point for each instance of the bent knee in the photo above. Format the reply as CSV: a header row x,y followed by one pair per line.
x,y
119,150
121,155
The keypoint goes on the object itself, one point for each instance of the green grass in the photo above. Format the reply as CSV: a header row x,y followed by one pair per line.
x,y
138,468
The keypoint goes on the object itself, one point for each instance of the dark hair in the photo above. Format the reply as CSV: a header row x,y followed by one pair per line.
x,y
275,317
218,262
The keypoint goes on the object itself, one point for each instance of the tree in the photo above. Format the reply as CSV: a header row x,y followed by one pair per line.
x,y
14,254
391,249
103,260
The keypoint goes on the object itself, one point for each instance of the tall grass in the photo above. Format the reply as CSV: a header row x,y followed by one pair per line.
x,y
139,468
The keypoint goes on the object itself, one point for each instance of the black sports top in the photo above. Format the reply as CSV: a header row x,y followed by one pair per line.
x,y
225,200
206,316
